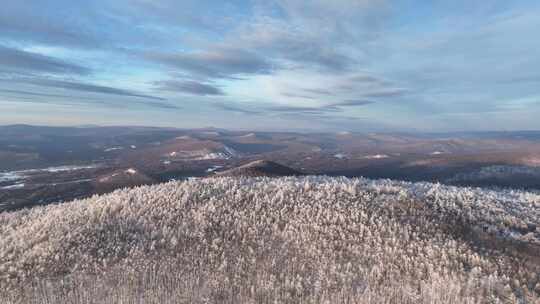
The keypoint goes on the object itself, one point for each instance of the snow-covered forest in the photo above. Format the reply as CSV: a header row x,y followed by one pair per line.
x,y
276,240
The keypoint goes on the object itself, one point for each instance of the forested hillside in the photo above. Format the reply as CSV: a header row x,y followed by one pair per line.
x,y
276,240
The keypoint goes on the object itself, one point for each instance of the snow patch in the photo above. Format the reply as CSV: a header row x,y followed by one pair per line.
x,y
205,154
113,149
214,155
230,151
12,187
64,168
437,153
247,135
376,156
131,171
11,176
340,156
213,168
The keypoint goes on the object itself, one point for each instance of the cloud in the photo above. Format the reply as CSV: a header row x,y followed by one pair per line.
x,y
199,15
268,109
218,63
162,105
289,58
303,110
80,86
326,59
295,95
297,47
365,79
58,99
345,87
28,93
12,59
390,92
319,92
353,102
234,108
32,21
190,87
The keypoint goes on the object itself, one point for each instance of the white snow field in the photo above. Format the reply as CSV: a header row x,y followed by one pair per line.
x,y
276,240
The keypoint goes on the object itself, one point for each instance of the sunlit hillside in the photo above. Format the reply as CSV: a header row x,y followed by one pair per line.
x,y
276,240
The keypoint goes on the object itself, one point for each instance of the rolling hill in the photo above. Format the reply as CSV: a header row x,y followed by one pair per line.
x,y
279,240
260,168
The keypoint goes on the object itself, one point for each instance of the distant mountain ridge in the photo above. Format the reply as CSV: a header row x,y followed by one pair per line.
x,y
163,154
261,168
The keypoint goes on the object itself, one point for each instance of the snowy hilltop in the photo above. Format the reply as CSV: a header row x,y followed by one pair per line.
x,y
280,240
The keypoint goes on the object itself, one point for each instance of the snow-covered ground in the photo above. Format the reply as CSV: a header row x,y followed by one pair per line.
x,y
230,151
131,171
13,187
11,176
248,135
214,168
340,156
213,155
184,137
437,153
113,149
376,156
204,154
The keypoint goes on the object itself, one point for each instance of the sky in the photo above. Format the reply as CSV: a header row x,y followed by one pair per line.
x,y
366,65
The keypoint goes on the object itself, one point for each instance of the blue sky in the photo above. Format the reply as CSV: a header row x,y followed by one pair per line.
x,y
367,65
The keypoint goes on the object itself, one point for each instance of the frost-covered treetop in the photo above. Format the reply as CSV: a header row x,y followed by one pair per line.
x,y
295,237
